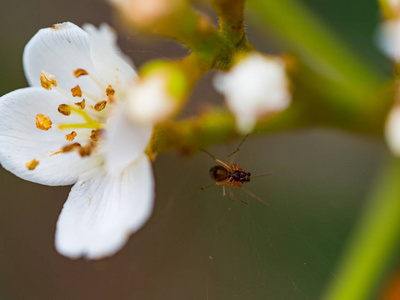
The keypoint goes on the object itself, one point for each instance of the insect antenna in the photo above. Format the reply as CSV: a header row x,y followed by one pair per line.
x,y
254,196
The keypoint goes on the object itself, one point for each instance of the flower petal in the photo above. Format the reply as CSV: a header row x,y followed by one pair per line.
x,y
21,141
59,50
125,140
102,210
111,65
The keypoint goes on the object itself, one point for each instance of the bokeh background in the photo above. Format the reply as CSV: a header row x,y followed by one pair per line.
x,y
199,245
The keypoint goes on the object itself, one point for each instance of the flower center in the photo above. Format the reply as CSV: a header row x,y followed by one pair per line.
x,y
93,115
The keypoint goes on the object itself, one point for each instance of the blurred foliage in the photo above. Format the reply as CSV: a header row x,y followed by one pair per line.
x,y
340,81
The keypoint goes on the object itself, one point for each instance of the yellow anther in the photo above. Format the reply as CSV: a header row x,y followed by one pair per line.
x,y
31,165
99,106
76,91
85,150
47,80
43,122
64,109
81,104
80,72
70,137
110,91
70,148
96,135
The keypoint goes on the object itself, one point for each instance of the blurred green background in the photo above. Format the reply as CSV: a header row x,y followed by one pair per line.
x,y
199,245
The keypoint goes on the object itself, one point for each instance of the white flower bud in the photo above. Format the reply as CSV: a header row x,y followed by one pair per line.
x,y
149,100
253,88
392,130
388,38
147,13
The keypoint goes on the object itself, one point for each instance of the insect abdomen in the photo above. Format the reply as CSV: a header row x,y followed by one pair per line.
x,y
219,173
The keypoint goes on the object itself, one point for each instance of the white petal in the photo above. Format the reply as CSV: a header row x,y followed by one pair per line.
x,y
392,130
102,210
388,38
254,87
111,65
60,50
125,140
21,141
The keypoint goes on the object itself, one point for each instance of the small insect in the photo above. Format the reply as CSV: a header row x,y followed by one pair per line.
x,y
230,174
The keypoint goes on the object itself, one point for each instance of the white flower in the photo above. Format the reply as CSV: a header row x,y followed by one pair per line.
x,y
53,135
254,87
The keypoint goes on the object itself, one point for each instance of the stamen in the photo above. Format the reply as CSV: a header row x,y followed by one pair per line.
x,y
43,122
31,165
70,148
80,72
47,80
81,104
76,91
82,113
64,109
70,137
94,98
96,135
85,150
89,125
98,82
100,105
110,91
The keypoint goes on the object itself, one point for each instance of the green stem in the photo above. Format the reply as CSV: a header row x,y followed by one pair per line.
x,y
348,82
218,126
374,242
231,18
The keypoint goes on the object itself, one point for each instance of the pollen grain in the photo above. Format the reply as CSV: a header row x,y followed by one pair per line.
x,y
47,80
81,104
76,91
99,106
31,165
43,122
70,137
64,109
95,135
80,72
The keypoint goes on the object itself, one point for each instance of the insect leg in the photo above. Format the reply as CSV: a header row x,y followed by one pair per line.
x,y
254,196
216,159
224,193
207,187
238,147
